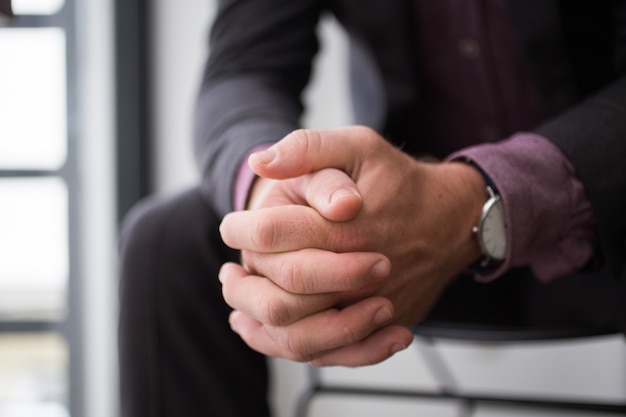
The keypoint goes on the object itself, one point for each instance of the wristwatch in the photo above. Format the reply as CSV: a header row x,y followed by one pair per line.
x,y
491,230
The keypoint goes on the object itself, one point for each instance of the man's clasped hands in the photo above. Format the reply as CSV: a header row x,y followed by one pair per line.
x,y
346,240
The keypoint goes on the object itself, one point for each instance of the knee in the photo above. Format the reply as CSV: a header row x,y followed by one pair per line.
x,y
164,239
175,227
155,239
140,226
153,221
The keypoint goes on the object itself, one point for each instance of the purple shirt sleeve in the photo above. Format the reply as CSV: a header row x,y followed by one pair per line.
x,y
550,222
244,180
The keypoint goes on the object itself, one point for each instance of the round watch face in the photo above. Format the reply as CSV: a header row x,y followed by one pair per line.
x,y
492,230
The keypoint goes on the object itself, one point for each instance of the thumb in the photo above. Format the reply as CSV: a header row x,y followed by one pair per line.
x,y
305,151
333,194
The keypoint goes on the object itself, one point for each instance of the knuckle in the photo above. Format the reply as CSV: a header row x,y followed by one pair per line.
x,y
293,347
265,233
367,131
291,277
307,141
370,142
274,312
299,137
351,335
370,139
313,141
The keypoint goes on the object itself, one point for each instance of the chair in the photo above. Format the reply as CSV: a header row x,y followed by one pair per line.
x,y
583,306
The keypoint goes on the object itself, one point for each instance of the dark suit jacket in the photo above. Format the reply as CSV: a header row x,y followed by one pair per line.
x,y
260,60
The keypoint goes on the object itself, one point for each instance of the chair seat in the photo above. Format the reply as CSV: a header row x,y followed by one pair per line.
x,y
499,333
518,307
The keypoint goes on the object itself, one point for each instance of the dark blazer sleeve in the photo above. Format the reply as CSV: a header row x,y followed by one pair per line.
x,y
593,136
593,133
259,63
575,49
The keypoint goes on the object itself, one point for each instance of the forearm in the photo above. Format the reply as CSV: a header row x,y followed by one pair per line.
x,y
259,63
228,125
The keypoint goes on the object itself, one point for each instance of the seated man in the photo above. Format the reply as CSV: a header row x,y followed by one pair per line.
x,y
349,238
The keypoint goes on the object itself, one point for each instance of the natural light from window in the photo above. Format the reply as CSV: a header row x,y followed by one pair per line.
x,y
33,375
33,103
34,248
46,7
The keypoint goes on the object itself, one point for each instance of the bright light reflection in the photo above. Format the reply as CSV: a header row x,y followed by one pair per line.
x,y
34,245
37,6
33,375
33,108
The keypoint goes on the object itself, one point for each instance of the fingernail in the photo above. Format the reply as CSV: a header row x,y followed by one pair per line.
x,y
382,316
264,157
220,274
397,348
381,269
344,192
232,320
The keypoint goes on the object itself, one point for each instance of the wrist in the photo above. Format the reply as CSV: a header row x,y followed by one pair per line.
x,y
490,230
259,188
470,190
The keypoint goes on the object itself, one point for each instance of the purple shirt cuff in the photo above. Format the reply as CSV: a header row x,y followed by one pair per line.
x,y
550,223
245,178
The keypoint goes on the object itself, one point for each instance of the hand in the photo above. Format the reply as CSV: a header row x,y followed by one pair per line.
x,y
416,214
327,195
333,194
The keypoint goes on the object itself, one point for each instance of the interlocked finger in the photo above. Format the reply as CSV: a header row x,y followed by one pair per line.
x,y
315,271
265,301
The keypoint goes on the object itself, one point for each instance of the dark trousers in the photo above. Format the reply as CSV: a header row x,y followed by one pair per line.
x,y
178,356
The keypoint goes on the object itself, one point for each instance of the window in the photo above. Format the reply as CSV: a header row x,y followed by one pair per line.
x,y
33,109
32,381
39,331
36,7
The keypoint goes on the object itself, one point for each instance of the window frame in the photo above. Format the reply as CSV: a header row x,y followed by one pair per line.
x,y
71,327
132,103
